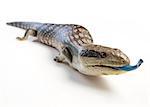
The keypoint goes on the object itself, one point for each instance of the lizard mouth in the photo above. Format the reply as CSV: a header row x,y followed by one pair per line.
x,y
130,67
124,68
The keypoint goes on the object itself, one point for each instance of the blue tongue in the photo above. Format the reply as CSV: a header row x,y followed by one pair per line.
x,y
129,67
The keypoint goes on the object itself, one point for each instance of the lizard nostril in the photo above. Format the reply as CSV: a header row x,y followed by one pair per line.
x,y
123,61
116,49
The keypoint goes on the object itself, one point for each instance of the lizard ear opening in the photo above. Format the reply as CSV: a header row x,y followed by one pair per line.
x,y
67,52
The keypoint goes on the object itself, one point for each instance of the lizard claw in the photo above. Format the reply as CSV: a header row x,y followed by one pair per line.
x,y
57,59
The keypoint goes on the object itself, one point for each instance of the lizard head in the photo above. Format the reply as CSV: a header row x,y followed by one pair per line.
x,y
99,60
103,60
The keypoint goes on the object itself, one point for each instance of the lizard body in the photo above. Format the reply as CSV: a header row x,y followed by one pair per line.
x,y
76,48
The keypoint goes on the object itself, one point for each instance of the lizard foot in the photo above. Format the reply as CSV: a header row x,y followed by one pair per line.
x,y
58,59
20,38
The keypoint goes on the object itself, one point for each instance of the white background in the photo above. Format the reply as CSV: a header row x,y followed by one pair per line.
x,y
30,78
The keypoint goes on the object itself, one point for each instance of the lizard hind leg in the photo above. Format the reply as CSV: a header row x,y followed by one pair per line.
x,y
28,32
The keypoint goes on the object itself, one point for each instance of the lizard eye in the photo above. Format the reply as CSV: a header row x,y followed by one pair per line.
x,y
103,54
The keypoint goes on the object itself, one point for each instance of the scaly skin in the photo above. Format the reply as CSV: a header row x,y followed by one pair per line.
x,y
76,48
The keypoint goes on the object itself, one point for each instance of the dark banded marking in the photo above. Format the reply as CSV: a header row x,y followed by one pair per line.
x,y
92,53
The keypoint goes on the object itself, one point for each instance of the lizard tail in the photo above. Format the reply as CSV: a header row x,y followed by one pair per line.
x,y
25,25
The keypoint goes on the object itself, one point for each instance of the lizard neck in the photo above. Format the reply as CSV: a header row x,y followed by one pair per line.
x,y
75,52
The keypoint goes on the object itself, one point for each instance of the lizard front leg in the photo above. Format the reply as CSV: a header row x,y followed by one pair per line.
x,y
59,59
64,56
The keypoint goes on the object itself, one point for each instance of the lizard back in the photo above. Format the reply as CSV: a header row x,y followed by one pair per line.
x,y
56,35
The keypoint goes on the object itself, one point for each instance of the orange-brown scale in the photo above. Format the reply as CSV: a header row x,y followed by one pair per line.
x,y
81,36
